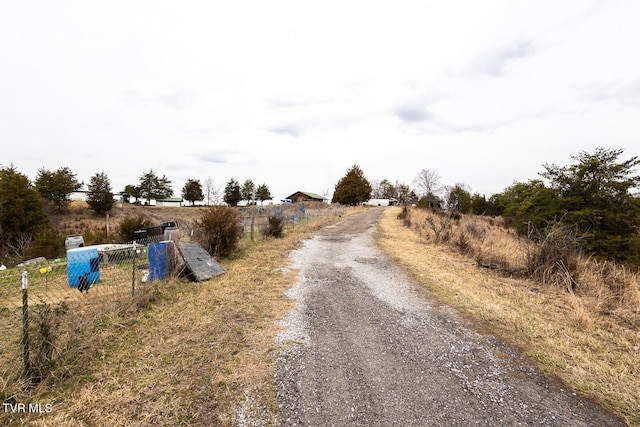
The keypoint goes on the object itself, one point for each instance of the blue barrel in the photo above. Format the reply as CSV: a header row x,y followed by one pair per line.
x,y
83,263
158,261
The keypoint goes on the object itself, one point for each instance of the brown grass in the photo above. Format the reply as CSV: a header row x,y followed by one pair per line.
x,y
588,338
191,357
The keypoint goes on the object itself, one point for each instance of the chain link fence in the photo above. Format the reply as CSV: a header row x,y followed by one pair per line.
x,y
44,304
254,218
47,306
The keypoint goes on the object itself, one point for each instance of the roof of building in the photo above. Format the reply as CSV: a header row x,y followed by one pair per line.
x,y
311,195
170,199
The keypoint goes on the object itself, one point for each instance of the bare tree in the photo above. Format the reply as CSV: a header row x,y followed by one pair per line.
x,y
19,245
382,189
402,193
428,183
212,193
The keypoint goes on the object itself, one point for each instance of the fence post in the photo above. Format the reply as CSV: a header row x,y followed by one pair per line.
x,y
25,326
133,271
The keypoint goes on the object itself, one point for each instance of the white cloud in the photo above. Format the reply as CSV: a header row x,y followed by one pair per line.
x,y
292,94
494,63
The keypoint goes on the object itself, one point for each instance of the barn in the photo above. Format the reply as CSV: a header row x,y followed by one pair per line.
x,y
305,196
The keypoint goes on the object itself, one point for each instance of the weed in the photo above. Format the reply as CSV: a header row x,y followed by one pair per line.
x,y
130,224
438,224
221,230
462,243
274,226
44,338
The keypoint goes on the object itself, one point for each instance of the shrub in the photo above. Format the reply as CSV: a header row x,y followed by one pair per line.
x,y
130,224
423,203
405,216
44,338
93,236
463,244
439,224
554,259
274,226
221,230
404,213
48,243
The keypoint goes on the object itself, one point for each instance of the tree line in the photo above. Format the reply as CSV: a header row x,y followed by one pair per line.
x,y
596,200
25,204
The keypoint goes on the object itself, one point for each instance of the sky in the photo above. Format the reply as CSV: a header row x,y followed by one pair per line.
x,y
293,93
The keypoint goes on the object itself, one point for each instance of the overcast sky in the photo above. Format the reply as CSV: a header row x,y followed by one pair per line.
x,y
292,93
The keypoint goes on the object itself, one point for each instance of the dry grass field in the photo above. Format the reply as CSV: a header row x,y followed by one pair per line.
x,y
582,328
184,354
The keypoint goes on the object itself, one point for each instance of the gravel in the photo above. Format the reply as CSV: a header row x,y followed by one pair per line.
x,y
367,347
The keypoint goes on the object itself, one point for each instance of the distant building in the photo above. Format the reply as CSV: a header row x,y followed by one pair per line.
x,y
169,201
381,202
81,196
304,196
78,196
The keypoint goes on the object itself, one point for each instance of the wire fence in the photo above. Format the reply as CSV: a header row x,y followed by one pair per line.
x,y
254,218
37,298
45,305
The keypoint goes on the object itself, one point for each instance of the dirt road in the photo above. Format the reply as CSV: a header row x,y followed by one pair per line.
x,y
366,347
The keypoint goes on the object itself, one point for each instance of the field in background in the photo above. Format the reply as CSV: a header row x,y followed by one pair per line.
x,y
581,327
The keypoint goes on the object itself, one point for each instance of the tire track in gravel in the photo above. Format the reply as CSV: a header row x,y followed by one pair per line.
x,y
365,347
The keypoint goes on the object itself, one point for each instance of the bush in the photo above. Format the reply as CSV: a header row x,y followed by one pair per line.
x,y
554,259
274,226
130,224
404,213
48,243
405,217
45,333
221,230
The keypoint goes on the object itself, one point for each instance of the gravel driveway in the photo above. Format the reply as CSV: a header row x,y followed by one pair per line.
x,y
366,347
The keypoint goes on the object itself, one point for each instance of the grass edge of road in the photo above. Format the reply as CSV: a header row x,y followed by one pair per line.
x,y
200,354
547,325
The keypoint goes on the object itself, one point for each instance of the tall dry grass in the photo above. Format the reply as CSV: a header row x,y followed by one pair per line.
x,y
550,258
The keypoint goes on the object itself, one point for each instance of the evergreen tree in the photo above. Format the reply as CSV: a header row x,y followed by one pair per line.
x,y
595,195
100,198
57,186
263,193
353,188
232,193
153,187
131,191
459,199
528,204
247,192
192,191
21,208
479,204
